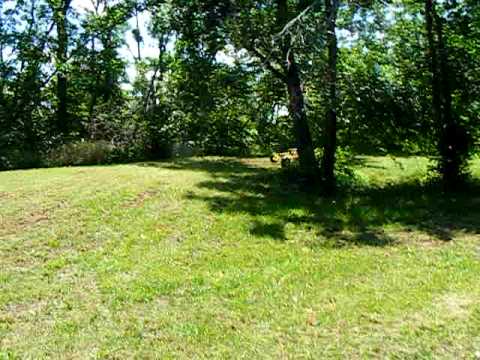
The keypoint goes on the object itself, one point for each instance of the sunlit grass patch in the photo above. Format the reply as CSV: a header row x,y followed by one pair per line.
x,y
220,258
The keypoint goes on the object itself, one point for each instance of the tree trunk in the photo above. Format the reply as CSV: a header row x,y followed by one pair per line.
x,y
451,135
137,35
62,82
109,80
433,62
2,61
330,142
303,137
453,142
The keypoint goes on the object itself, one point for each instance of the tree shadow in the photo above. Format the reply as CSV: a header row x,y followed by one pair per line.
x,y
355,216
272,230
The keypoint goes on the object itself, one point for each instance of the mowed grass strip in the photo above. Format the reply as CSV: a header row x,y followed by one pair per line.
x,y
219,258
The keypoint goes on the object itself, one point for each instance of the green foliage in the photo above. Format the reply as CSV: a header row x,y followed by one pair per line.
x,y
81,153
94,152
216,81
344,167
15,158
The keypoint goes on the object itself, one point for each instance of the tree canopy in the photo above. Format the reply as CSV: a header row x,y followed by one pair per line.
x,y
248,77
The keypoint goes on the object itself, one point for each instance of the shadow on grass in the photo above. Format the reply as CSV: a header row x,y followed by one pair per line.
x,y
355,216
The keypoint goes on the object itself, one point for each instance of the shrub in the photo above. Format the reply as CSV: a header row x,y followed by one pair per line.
x,y
81,153
19,159
344,161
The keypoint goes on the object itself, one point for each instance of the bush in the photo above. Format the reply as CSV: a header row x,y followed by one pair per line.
x,y
82,153
344,159
124,153
19,159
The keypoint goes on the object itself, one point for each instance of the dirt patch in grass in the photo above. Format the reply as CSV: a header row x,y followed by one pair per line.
x,y
6,195
144,310
455,306
412,237
22,310
258,162
35,218
174,240
11,225
140,199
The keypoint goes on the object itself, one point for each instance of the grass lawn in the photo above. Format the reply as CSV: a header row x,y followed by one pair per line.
x,y
216,258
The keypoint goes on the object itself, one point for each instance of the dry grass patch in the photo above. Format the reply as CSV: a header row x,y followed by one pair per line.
x,y
456,306
140,199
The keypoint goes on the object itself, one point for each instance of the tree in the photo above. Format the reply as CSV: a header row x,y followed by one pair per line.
x,y
241,76
60,10
328,161
308,163
263,29
24,36
453,140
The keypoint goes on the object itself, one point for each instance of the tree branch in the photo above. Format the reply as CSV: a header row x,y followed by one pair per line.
x,y
293,21
269,65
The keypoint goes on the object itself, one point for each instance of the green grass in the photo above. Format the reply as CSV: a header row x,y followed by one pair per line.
x,y
218,258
